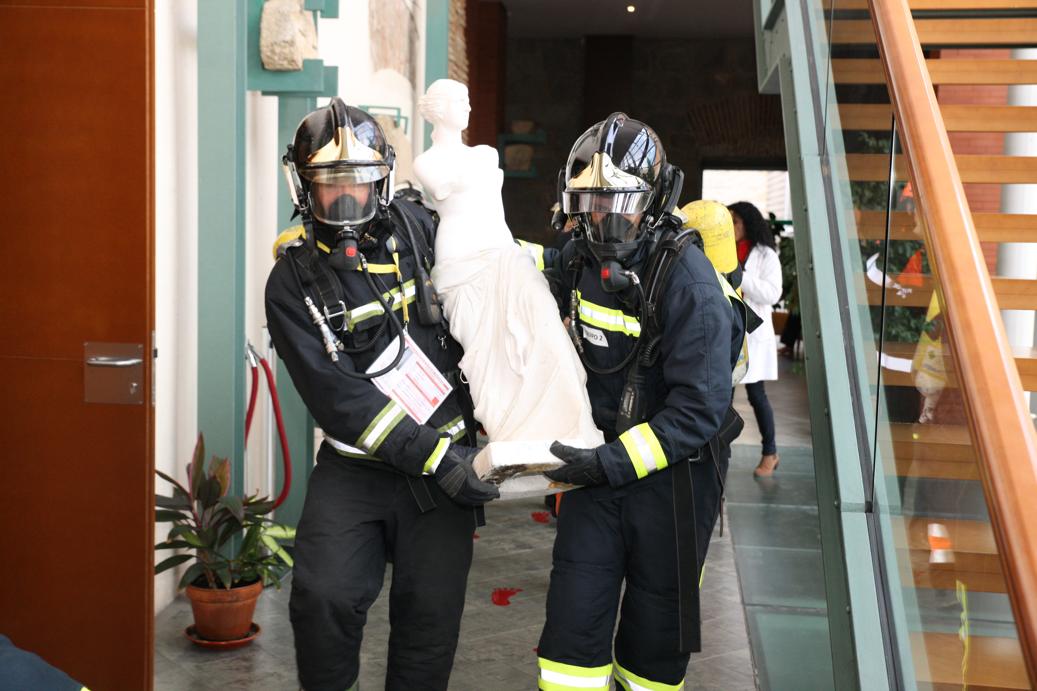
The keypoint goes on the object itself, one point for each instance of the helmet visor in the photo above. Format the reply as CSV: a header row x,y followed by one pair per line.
x,y
606,202
343,203
345,172
610,229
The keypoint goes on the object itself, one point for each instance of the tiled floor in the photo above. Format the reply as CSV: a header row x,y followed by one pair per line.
x,y
496,647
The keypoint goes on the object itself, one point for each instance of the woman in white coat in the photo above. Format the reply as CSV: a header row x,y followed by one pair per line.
x,y
761,288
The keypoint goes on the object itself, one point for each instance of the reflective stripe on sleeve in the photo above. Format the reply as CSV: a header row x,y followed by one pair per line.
x,y
607,318
346,450
535,251
557,676
384,423
632,682
643,448
374,309
437,455
455,429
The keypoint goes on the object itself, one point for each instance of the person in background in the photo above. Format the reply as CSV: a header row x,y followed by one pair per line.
x,y
761,288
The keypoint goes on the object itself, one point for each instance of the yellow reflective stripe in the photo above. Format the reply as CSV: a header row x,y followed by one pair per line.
x,y
536,251
607,318
558,676
645,451
379,429
632,682
379,268
454,429
437,454
374,309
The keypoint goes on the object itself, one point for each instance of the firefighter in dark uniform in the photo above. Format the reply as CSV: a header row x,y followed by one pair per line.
x,y
351,285
659,332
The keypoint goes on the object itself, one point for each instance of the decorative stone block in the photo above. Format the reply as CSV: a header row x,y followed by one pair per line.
x,y
287,35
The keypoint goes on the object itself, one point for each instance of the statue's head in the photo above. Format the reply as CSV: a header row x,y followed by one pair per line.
x,y
446,103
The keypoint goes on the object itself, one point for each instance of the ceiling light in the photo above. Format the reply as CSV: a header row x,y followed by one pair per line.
x,y
630,8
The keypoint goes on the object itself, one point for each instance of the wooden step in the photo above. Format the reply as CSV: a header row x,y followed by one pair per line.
x,y
956,118
991,227
975,563
972,168
939,451
1012,294
993,663
946,32
985,5
942,71
1025,361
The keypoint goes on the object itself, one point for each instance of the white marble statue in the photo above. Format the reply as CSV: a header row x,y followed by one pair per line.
x,y
526,379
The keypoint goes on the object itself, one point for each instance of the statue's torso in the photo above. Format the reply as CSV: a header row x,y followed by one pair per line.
x,y
471,218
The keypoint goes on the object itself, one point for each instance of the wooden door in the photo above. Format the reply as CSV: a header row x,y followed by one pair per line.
x,y
76,190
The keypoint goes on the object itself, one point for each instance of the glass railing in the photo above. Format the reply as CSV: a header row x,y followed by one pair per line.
x,y
950,620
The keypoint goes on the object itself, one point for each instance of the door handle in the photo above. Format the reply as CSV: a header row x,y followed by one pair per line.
x,y
109,361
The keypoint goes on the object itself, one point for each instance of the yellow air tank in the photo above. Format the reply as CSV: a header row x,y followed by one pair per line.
x,y
713,221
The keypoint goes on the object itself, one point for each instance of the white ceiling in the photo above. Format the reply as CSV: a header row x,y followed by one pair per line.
x,y
652,18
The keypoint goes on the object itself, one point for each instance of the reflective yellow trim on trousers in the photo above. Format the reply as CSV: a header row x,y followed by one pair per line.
x,y
643,447
379,428
558,676
437,454
632,682
607,318
536,251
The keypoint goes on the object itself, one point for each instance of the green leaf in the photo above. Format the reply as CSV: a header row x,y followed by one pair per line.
x,y
177,487
251,541
178,502
196,471
219,468
172,561
225,577
173,544
163,515
188,534
208,492
234,505
259,508
193,572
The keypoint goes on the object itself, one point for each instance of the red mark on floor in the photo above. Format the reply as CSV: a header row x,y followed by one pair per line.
x,y
541,516
475,536
502,596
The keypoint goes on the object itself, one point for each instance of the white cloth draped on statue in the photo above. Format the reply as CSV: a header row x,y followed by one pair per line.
x,y
526,379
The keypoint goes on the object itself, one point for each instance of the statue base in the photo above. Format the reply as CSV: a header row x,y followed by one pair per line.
x,y
517,467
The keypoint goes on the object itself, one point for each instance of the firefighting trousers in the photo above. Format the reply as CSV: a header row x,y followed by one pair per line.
x,y
652,535
354,520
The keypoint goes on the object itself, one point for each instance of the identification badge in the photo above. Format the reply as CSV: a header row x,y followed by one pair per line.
x,y
415,383
595,336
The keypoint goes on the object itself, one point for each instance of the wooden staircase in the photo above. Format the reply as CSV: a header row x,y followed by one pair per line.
x,y
934,458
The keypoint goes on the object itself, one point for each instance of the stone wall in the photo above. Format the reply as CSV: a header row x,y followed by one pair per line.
x,y
457,46
545,85
700,96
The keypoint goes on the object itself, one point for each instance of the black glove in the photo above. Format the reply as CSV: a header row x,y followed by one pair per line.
x,y
456,477
582,466
468,453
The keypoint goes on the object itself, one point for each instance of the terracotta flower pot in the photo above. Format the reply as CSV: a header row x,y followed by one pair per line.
x,y
224,615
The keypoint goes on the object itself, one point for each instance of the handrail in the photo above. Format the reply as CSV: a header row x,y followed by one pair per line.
x,y
998,417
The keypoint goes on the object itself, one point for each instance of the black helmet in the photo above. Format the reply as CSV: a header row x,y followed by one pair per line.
x,y
617,170
339,165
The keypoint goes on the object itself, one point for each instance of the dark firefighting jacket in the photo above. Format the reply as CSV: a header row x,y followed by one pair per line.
x,y
359,421
688,390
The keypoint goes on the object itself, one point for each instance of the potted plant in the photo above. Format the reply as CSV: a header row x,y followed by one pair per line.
x,y
232,542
